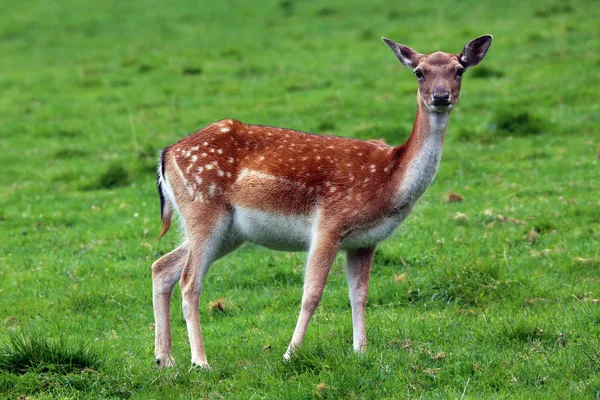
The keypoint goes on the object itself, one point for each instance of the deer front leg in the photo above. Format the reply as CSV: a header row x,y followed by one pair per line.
x,y
320,257
358,270
165,273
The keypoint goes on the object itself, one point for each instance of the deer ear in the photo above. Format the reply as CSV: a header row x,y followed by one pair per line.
x,y
475,50
405,54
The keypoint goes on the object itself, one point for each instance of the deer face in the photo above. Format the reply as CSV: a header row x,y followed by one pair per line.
x,y
440,74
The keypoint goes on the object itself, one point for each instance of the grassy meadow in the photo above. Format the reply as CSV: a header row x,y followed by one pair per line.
x,y
489,290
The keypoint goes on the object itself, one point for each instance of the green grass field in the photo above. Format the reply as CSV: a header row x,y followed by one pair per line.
x,y
495,296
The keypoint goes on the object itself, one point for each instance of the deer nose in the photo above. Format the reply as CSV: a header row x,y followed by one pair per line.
x,y
441,97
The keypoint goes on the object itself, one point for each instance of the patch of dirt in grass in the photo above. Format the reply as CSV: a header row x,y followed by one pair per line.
x,y
452,197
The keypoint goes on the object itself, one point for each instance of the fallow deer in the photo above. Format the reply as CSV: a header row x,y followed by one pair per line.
x,y
233,182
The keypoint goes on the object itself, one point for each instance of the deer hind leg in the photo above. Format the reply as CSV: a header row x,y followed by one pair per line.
x,y
208,240
165,274
322,253
358,270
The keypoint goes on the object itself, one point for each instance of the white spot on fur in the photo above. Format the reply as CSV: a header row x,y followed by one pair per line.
x,y
183,178
194,158
225,130
261,175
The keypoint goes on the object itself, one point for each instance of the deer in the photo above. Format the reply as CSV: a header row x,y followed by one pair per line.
x,y
283,189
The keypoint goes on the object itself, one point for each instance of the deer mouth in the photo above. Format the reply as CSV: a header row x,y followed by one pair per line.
x,y
441,107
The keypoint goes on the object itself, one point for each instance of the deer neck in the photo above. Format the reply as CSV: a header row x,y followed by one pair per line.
x,y
419,158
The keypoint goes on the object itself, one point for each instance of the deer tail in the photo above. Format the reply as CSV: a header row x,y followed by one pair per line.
x,y
166,204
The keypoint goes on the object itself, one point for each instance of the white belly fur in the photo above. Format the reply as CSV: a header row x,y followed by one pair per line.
x,y
295,232
365,238
272,230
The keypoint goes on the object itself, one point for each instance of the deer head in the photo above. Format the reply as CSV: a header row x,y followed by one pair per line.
x,y
440,74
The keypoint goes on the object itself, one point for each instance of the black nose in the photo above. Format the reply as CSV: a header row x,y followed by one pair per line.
x,y
441,98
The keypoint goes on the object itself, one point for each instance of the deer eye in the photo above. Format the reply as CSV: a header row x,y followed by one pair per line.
x,y
419,74
460,72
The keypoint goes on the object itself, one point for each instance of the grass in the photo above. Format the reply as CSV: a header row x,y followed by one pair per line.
x,y
26,351
465,301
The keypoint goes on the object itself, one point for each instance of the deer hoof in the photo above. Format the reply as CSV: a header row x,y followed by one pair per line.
x,y
165,362
200,365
